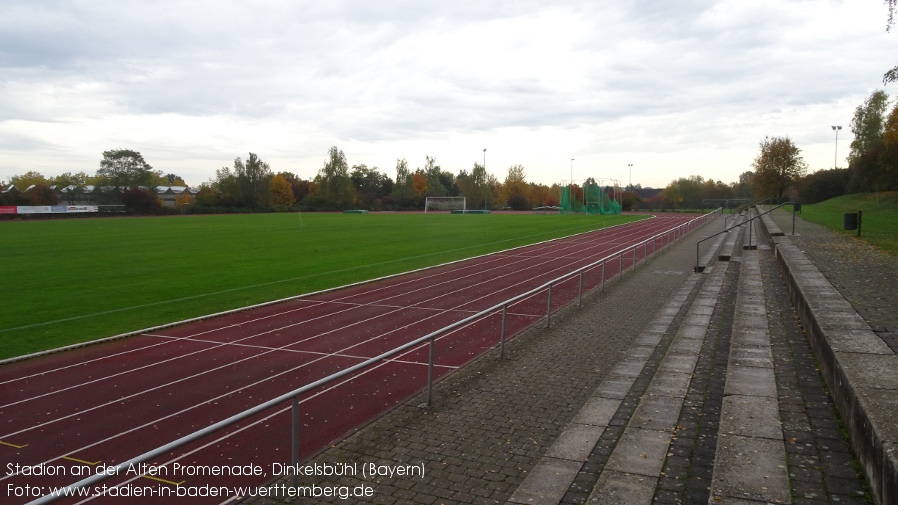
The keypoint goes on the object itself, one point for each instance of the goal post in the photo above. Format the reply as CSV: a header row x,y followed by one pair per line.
x,y
448,203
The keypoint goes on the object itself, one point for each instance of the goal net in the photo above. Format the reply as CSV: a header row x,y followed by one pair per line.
x,y
440,203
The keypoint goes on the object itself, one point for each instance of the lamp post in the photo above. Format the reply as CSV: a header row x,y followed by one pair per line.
x,y
571,190
484,174
836,157
630,166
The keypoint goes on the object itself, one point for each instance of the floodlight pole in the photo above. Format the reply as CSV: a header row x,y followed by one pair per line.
x,y
571,190
484,174
836,157
630,166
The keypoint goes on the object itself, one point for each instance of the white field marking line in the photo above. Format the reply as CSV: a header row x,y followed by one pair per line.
x,y
226,365
445,335
110,356
271,283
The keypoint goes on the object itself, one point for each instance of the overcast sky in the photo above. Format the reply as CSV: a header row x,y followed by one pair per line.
x,y
673,87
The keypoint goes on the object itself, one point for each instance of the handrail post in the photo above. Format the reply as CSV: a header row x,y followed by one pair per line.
x,y
620,266
634,258
603,274
502,338
430,371
549,308
294,438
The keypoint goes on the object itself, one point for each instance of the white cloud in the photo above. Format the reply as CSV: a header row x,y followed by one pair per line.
x,y
676,88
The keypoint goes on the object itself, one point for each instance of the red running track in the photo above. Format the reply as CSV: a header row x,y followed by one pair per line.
x,y
77,412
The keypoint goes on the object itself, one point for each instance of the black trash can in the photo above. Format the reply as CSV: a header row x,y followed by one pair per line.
x,y
850,221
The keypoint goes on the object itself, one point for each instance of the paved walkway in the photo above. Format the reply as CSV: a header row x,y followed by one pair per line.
x,y
672,387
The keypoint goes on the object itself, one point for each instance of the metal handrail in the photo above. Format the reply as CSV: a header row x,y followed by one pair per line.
x,y
700,268
678,232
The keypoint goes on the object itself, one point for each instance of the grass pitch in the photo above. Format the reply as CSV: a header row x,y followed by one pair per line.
x,y
70,281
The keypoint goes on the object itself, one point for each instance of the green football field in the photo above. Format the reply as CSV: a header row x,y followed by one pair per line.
x,y
69,281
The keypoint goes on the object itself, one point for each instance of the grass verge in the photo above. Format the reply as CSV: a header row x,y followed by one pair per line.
x,y
879,226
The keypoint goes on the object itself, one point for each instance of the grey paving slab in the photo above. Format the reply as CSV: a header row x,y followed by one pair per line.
x,y
750,468
750,381
575,442
657,412
641,452
597,411
751,416
547,483
618,488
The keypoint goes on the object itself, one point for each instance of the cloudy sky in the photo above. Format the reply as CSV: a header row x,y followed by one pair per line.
x,y
675,88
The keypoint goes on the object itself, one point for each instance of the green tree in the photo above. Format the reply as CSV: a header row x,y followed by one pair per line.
x,y
334,183
433,174
28,179
370,185
476,187
403,192
777,166
867,125
121,169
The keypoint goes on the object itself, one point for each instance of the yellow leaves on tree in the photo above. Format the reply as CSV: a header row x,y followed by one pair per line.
x,y
419,183
282,191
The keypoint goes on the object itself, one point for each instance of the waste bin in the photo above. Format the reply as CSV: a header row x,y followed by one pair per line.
x,y
850,222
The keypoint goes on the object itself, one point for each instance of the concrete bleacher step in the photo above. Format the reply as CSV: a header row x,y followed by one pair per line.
x,y
750,460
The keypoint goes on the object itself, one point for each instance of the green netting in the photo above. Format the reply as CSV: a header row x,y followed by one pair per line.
x,y
597,201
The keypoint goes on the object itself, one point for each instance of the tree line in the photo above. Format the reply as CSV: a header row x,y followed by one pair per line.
x,y
251,185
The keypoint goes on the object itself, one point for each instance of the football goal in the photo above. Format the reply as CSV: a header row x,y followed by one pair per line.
x,y
450,203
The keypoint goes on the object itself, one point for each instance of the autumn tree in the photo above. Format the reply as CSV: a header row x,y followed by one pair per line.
x,y
28,179
777,166
419,183
514,188
281,191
